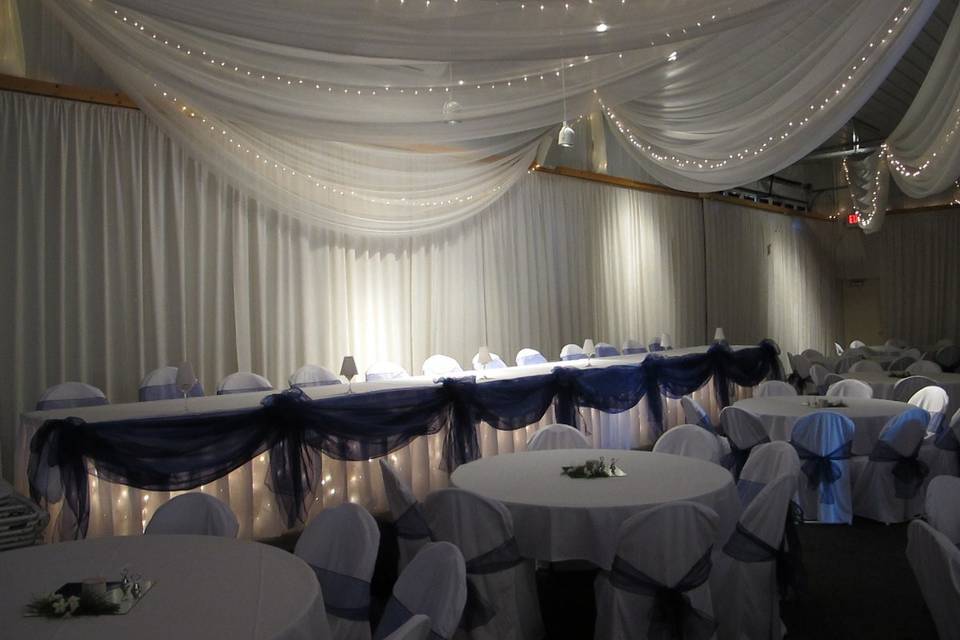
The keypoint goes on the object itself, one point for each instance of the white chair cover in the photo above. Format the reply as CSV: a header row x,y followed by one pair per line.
x,y
385,370
689,440
936,564
838,348
848,360
819,373
743,581
850,389
416,628
694,413
340,544
433,584
948,357
440,366
631,346
483,531
943,507
572,352
901,363
558,436
528,356
812,355
68,395
312,375
411,526
744,431
877,493
194,514
858,344
664,547
923,366
865,365
905,388
606,350
800,365
934,401
912,352
243,382
939,452
766,463
161,384
496,362
832,379
774,388
827,435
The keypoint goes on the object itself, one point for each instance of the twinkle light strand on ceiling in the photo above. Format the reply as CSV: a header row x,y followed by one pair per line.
x,y
681,161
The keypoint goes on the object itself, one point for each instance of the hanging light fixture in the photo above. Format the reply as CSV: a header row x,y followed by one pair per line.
x,y
451,108
567,135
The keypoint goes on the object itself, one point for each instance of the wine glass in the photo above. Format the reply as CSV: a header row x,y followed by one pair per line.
x,y
185,381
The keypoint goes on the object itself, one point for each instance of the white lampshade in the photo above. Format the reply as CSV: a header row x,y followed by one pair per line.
x,y
589,348
666,341
185,377
483,356
348,368
718,335
567,135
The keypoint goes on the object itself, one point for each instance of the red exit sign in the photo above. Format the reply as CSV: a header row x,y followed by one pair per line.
x,y
853,219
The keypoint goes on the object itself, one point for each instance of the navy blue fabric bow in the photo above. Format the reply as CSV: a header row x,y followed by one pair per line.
x,y
672,616
823,471
344,596
909,471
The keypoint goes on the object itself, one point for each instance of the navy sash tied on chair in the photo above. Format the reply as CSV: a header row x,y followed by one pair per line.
x,y
823,471
737,458
672,615
478,611
344,596
746,546
411,525
909,472
395,614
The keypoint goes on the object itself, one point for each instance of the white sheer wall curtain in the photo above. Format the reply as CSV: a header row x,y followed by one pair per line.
x,y
771,275
915,256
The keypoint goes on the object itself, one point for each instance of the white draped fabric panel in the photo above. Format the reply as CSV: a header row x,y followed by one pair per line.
x,y
124,255
771,275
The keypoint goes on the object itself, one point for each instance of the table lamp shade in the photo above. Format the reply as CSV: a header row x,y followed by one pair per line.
x,y
718,335
348,368
666,341
589,348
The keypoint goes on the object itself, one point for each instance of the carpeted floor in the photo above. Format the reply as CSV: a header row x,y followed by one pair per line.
x,y
860,586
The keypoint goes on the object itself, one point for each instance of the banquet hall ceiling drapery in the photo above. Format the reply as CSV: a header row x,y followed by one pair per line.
x,y
304,122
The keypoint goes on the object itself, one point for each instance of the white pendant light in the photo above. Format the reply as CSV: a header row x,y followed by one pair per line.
x,y
567,135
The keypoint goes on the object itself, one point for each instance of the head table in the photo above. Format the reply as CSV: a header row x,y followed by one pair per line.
x,y
779,413
557,518
204,587
119,508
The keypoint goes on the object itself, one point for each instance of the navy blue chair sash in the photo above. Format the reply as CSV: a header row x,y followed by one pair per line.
x,y
478,611
823,471
344,596
672,616
737,457
394,616
411,525
909,472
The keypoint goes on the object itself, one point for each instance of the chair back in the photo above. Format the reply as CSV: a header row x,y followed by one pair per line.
x,y
557,436
858,344
312,375
838,348
813,355
771,388
385,370
161,384
923,366
411,526
901,363
433,584
935,561
905,388
819,373
606,350
440,366
823,440
340,544
948,357
194,514
694,413
912,352
691,441
631,347
862,366
843,364
904,433
850,388
416,628
496,362
572,352
943,507
800,365
743,428
69,395
934,401
767,462
243,382
528,356
766,515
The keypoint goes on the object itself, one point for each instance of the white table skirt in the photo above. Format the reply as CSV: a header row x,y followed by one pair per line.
x,y
206,587
558,518
119,510
882,384
779,414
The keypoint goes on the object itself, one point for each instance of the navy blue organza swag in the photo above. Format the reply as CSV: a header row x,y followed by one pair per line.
x,y
174,453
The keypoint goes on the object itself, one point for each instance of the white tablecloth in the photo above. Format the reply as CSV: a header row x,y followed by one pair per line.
x,y
882,385
779,414
205,588
118,510
558,518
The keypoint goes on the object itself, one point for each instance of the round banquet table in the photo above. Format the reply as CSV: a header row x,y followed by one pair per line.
x,y
882,384
779,413
204,587
557,518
